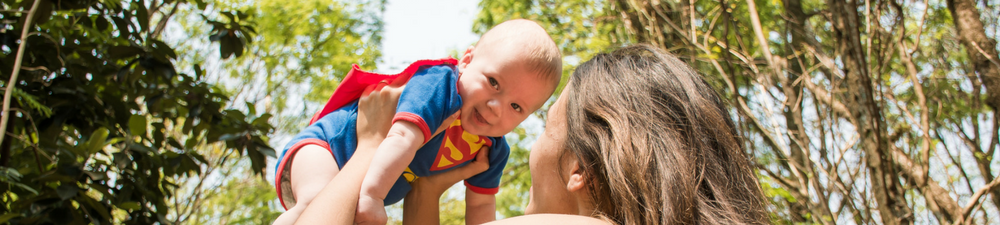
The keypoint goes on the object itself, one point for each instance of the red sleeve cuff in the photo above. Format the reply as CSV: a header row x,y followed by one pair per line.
x,y
415,119
288,156
485,191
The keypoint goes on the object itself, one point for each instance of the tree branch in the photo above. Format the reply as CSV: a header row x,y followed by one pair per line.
x,y
163,21
759,32
17,67
974,200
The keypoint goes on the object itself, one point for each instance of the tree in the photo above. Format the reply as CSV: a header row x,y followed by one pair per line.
x,y
855,111
101,123
298,54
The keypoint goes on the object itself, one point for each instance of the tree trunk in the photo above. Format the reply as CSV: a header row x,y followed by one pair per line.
x,y
983,55
5,146
859,98
793,104
981,49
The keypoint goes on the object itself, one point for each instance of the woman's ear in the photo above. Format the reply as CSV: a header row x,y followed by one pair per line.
x,y
466,58
577,178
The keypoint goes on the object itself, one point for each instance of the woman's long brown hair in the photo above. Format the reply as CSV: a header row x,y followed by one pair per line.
x,y
657,144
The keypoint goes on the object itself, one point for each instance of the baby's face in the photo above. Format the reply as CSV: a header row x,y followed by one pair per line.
x,y
498,93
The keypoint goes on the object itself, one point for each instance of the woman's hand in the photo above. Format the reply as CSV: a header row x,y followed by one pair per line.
x,y
337,203
421,204
441,182
375,112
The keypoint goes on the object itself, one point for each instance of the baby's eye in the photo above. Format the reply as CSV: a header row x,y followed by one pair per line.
x,y
516,107
494,84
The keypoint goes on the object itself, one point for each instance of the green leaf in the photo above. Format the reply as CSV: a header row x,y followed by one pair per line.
x,y
190,143
121,26
229,15
129,205
139,147
198,71
251,109
8,216
67,190
233,136
241,15
121,52
238,47
101,23
29,100
267,150
174,143
8,174
114,140
96,175
97,140
26,188
97,206
142,15
42,14
226,46
257,162
137,125
199,157
262,121
164,49
202,4
250,29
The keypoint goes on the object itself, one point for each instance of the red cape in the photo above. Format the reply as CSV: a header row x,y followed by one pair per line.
x,y
357,80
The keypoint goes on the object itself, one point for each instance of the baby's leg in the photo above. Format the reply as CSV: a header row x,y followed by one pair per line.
x,y
312,168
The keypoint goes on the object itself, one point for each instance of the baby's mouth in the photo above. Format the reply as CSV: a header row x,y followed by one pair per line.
x,y
479,117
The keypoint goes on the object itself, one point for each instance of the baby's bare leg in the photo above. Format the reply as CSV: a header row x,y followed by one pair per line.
x,y
312,168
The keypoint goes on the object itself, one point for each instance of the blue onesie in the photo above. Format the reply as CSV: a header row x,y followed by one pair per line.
x,y
428,99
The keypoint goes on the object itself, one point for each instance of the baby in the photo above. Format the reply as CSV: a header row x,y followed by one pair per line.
x,y
448,111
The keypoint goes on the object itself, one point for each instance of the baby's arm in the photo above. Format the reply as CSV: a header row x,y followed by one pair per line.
x,y
479,208
391,158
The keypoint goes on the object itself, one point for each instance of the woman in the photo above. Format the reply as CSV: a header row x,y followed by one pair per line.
x,y
636,137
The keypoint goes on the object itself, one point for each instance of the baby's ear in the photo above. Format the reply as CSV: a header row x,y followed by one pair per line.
x,y
466,58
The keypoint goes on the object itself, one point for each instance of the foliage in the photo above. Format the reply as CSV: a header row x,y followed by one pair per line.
x,y
231,197
855,111
102,123
299,50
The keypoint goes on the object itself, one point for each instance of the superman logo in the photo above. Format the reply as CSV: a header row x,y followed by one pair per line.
x,y
458,147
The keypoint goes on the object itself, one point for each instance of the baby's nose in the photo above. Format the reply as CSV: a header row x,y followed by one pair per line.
x,y
496,106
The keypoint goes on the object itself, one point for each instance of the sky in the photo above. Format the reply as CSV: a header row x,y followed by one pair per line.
x,y
422,29
425,29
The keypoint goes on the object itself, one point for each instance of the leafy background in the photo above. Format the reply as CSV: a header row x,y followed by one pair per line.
x,y
167,111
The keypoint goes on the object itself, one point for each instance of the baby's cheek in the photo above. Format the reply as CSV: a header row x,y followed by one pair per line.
x,y
508,125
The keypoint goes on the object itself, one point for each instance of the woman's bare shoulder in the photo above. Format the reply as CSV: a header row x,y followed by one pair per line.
x,y
549,219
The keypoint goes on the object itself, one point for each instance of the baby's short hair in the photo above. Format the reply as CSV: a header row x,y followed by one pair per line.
x,y
534,44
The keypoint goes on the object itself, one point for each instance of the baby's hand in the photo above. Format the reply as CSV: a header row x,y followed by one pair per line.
x,y
371,211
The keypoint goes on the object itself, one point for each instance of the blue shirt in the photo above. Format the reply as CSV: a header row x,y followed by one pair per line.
x,y
428,99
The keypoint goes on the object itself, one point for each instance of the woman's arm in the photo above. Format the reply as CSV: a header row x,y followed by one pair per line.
x,y
337,202
421,204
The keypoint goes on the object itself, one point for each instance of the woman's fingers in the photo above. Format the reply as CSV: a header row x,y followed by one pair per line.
x,y
376,109
478,165
481,163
